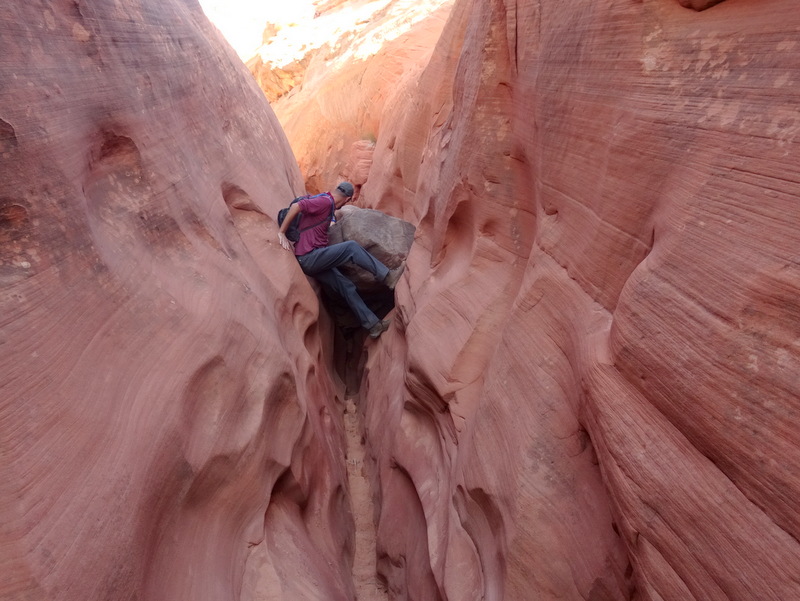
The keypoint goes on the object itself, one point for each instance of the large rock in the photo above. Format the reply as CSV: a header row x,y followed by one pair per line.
x,y
593,389
387,238
167,423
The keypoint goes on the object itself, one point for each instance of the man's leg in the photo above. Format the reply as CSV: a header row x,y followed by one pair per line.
x,y
347,290
323,259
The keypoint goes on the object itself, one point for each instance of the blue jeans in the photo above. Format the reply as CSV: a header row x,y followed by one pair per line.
x,y
321,264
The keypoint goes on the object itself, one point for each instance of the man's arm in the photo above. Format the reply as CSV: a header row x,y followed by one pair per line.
x,y
284,241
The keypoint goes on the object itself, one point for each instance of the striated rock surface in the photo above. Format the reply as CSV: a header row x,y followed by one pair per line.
x,y
593,384
167,424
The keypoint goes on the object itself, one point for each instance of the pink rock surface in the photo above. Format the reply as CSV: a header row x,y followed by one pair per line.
x,y
167,424
593,387
590,387
359,162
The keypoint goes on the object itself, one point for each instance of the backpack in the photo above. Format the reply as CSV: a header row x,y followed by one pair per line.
x,y
293,231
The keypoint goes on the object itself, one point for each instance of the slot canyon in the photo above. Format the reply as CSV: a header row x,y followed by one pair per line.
x,y
590,389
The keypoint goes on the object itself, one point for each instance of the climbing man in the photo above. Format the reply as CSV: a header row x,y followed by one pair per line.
x,y
321,261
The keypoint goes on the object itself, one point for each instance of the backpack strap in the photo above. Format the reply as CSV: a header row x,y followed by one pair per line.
x,y
333,209
329,218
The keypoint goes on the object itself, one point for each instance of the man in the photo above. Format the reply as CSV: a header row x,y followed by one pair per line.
x,y
320,261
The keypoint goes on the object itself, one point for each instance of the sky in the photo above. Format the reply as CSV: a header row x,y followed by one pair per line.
x,y
242,22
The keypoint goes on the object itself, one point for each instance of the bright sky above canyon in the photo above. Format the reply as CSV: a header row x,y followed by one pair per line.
x,y
242,22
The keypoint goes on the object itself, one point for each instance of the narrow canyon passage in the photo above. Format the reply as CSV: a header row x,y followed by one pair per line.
x,y
590,388
365,577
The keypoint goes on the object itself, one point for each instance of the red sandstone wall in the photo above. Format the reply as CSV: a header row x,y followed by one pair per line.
x,y
166,419
593,387
593,391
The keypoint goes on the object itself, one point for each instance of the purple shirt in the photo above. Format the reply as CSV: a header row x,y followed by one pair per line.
x,y
315,209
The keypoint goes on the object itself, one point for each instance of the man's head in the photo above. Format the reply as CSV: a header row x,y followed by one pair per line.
x,y
342,194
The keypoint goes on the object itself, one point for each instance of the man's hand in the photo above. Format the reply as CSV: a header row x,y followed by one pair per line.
x,y
285,242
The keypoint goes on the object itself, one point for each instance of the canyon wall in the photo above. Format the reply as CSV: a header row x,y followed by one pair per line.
x,y
590,388
593,387
167,422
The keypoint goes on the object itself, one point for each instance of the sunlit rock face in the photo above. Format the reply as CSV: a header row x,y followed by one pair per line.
x,y
351,60
166,419
593,389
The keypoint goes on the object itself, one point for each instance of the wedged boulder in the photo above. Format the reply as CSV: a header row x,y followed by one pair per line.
x,y
387,238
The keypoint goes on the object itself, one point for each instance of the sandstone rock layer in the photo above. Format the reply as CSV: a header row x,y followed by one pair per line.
x,y
166,428
590,388
593,390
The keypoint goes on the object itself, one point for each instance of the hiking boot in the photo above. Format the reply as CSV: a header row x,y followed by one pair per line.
x,y
393,276
379,328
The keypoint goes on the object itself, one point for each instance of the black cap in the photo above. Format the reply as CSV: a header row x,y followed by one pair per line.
x,y
346,188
